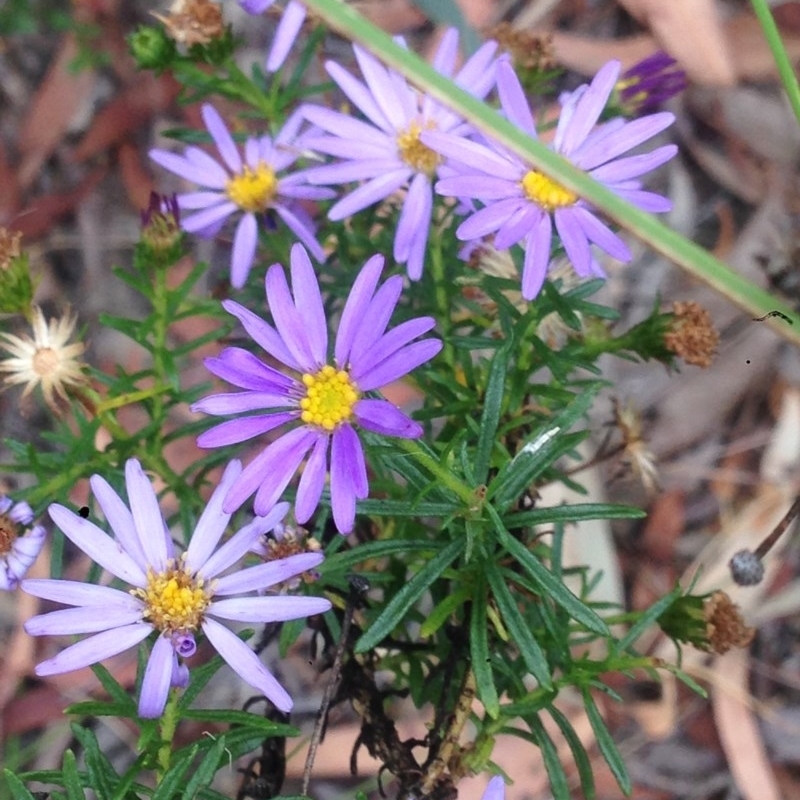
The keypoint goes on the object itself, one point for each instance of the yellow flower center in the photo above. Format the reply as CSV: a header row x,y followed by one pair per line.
x,y
330,397
174,599
8,534
45,361
253,189
545,192
414,152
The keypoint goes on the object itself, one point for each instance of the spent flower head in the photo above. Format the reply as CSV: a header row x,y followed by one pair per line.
x,y
174,596
322,398
20,541
45,359
522,204
291,21
691,334
191,22
251,185
386,150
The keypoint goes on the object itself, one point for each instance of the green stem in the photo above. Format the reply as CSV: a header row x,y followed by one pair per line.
x,y
754,300
169,724
782,61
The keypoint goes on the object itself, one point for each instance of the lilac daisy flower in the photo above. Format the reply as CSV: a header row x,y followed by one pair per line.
x,y
386,150
251,185
20,544
171,595
649,83
285,34
522,204
326,399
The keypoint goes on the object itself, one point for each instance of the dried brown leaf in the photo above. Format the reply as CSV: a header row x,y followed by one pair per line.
x,y
52,110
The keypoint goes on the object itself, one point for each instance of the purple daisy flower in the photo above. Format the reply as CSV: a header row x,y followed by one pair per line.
x,y
522,204
649,83
20,544
285,34
386,151
251,185
173,596
326,399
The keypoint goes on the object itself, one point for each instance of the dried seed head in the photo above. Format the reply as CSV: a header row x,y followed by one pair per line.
x,y
746,567
692,335
725,627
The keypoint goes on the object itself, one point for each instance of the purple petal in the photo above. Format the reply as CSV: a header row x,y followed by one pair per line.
x,y
383,91
513,99
349,171
399,364
197,223
271,470
157,678
210,166
75,593
415,215
354,309
383,417
289,323
245,370
244,249
623,140
602,236
292,20
94,649
573,238
388,345
235,431
262,333
537,257
647,201
86,619
222,138
100,547
516,226
276,608
489,219
589,107
343,126
262,576
195,200
302,229
147,516
312,481
495,790
242,542
348,477
359,95
375,318
308,298
245,663
476,156
369,193
624,169
239,402
479,187
212,522
185,169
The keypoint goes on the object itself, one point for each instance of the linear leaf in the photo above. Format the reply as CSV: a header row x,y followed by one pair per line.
x,y
479,650
492,404
606,744
397,607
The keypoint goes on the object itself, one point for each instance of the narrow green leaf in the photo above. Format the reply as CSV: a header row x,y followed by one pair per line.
x,y
174,778
347,559
16,786
266,727
648,618
72,782
402,508
606,744
101,774
112,686
559,785
97,708
443,610
207,768
533,655
479,650
549,586
490,419
579,754
397,607
577,512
